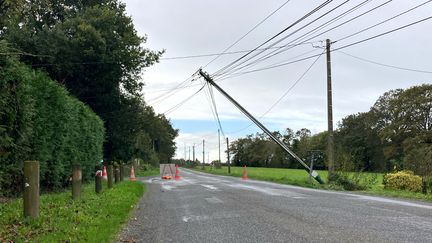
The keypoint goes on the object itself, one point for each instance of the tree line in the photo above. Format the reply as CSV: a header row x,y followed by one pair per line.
x,y
92,50
395,134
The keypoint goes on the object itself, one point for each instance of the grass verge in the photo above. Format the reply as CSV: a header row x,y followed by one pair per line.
x,y
148,171
94,218
300,177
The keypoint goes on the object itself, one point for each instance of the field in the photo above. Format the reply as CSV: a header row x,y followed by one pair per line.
x,y
95,218
300,177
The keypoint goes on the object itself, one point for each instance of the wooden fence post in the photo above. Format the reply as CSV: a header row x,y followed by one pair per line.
x,y
110,176
98,179
116,174
31,189
121,172
76,182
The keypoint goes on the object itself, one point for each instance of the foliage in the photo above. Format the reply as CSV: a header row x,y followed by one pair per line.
x,y
39,120
95,218
403,180
354,181
93,49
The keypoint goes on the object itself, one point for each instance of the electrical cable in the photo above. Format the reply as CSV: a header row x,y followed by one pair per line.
x,y
247,33
386,65
275,36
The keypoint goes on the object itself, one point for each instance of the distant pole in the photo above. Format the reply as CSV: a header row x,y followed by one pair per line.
x,y
228,155
31,189
330,141
189,154
219,146
203,154
193,152
184,151
76,182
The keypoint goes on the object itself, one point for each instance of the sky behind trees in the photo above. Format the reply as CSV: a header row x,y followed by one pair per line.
x,y
193,27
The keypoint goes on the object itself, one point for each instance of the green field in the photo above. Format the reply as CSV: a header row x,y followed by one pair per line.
x,y
95,218
301,178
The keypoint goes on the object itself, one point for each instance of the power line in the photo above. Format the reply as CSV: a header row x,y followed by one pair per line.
x,y
273,37
233,67
247,33
284,94
384,21
289,45
386,65
182,102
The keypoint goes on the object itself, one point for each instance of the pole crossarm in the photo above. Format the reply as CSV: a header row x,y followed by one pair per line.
x,y
208,79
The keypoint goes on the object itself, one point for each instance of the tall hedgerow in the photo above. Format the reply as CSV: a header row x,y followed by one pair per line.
x,y
40,120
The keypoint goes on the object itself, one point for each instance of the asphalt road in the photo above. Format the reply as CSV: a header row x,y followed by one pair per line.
x,y
208,208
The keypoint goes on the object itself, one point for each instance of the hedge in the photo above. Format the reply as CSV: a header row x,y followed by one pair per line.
x,y
40,120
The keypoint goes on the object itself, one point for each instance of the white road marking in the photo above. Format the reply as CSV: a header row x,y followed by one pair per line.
x,y
213,200
167,187
387,200
211,187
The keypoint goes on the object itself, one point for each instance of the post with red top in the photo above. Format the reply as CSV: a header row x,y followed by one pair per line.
x,y
177,174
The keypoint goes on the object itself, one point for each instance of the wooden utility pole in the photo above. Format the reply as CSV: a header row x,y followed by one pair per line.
x,y
31,189
76,182
228,155
203,154
193,152
220,161
330,141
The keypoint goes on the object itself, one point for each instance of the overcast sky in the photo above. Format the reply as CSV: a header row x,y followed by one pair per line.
x,y
195,27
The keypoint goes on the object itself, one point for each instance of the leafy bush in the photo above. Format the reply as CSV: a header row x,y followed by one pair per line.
x,y
353,181
403,180
39,120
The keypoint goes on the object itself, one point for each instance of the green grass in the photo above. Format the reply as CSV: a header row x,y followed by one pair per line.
x,y
300,177
94,218
149,171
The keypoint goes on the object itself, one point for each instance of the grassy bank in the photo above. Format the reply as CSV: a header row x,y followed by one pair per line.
x,y
95,218
300,177
148,171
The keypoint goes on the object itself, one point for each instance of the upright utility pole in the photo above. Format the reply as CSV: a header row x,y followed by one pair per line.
x,y
219,146
330,141
193,152
203,153
228,155
189,154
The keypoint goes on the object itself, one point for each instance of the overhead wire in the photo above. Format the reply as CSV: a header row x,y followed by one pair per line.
x,y
283,95
247,33
283,38
182,102
384,21
273,37
302,39
385,65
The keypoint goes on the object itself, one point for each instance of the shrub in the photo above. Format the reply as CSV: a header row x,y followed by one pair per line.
x,y
353,181
403,180
39,120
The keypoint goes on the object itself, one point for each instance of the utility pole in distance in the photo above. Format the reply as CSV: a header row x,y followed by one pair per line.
x,y
228,155
330,139
203,154
219,146
193,152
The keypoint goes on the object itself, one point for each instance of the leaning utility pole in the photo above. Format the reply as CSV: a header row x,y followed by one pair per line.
x,y
219,146
207,77
228,155
330,139
203,153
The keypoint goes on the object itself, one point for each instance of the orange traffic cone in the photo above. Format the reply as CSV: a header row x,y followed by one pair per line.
x,y
177,174
104,174
245,177
132,174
